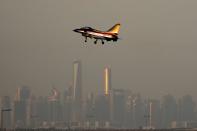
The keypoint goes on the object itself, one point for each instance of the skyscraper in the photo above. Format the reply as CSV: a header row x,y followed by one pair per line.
x,y
102,110
21,106
107,81
77,92
77,83
186,109
67,102
90,110
43,110
118,107
23,93
168,111
152,113
104,102
54,106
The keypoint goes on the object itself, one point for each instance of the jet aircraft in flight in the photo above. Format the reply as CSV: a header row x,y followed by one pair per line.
x,y
110,35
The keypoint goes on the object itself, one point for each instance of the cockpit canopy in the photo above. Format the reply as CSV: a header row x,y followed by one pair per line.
x,y
86,28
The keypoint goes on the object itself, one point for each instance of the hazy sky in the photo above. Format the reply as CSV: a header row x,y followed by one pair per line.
x,y
155,56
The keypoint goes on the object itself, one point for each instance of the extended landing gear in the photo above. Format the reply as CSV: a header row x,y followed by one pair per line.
x,y
85,39
95,42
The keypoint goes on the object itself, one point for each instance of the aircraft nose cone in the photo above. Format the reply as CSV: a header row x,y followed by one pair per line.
x,y
76,30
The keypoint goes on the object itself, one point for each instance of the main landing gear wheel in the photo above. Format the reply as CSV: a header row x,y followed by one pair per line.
x,y
103,42
85,39
95,42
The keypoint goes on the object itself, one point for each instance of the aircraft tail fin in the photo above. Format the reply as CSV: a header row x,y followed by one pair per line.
x,y
115,29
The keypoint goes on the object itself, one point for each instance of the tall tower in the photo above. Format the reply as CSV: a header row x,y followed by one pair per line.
x,y
107,101
77,91
77,88
107,81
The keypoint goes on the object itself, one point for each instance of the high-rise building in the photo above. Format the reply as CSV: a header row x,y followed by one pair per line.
x,y
107,81
134,111
186,109
20,114
55,111
168,111
32,116
90,111
22,93
77,92
6,104
128,109
152,114
43,110
118,108
20,109
102,110
139,110
77,81
67,102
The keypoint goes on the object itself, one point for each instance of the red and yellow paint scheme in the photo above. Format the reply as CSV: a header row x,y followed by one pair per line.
x,y
110,35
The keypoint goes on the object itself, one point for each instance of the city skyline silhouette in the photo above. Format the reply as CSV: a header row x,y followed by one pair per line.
x,y
154,57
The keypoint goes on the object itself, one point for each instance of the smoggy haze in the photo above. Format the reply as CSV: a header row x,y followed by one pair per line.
x,y
156,56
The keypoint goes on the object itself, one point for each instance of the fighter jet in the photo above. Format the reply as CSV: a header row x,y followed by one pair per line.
x,y
110,35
